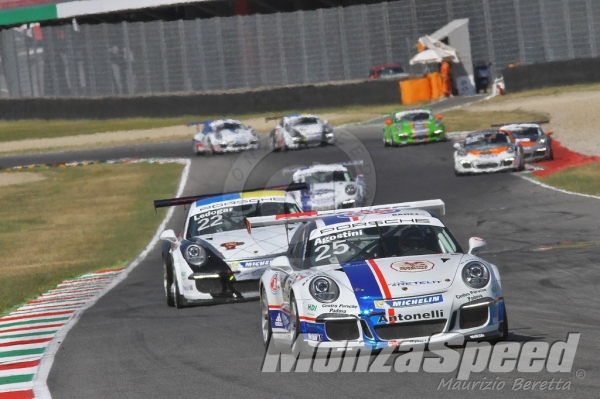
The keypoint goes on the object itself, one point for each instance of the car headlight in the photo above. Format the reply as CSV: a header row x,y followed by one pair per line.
x,y
542,140
476,275
195,255
351,189
438,131
324,289
511,149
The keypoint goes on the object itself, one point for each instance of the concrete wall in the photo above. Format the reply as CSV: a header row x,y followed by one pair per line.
x,y
293,98
556,73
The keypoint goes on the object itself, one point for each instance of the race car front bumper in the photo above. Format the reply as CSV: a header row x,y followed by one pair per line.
x,y
473,321
479,165
295,143
205,288
536,153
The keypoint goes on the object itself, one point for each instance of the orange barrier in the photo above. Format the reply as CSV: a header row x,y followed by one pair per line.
x,y
415,90
435,80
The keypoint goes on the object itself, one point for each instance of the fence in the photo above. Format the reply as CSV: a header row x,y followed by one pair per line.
x,y
282,49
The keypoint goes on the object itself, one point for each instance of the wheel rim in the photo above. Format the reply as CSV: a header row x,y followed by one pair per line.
x,y
264,309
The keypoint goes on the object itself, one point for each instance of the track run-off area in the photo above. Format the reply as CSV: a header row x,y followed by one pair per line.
x,y
129,344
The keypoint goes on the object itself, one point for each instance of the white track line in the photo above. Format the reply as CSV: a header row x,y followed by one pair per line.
x,y
40,387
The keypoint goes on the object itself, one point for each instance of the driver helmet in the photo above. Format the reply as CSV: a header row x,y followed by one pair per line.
x,y
412,238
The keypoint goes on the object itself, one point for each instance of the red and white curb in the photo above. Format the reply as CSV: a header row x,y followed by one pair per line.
x,y
31,335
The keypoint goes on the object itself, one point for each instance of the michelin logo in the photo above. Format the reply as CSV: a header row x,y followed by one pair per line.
x,y
256,263
404,303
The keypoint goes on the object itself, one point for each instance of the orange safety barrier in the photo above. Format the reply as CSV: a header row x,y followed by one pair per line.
x,y
435,80
415,90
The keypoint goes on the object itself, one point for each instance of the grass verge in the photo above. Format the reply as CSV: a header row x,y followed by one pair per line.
x,y
459,120
580,179
77,220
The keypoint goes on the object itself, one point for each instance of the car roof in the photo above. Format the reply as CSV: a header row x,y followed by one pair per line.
x,y
519,126
307,170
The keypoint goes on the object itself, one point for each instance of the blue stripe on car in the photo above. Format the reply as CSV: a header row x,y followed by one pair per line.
x,y
328,221
363,284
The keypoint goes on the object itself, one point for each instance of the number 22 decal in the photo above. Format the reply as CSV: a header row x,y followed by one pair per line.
x,y
338,248
205,223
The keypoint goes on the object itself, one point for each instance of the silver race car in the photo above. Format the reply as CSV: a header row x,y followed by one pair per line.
x,y
537,144
385,276
488,151
214,259
329,187
223,135
298,131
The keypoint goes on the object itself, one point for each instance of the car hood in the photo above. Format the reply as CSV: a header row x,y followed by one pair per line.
x,y
309,130
232,137
240,245
401,277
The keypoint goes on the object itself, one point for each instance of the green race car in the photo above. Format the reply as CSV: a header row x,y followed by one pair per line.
x,y
412,127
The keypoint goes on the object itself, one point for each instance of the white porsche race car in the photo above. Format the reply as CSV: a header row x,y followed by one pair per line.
x,y
297,131
329,187
223,135
215,259
488,151
385,276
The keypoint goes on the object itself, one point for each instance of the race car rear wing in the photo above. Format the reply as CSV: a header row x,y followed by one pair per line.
x,y
436,205
521,123
162,203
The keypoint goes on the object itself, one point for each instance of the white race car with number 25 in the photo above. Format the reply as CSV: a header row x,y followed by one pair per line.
x,y
388,275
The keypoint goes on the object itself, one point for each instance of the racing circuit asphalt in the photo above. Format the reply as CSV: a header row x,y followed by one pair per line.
x,y
131,345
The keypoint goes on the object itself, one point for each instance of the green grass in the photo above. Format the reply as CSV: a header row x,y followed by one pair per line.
x,y
580,179
547,91
77,220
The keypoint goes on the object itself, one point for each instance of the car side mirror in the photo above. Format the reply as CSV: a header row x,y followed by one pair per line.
x,y
388,122
456,146
476,244
549,133
325,122
438,117
168,235
281,264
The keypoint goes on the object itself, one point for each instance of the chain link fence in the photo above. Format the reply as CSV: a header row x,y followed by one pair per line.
x,y
282,49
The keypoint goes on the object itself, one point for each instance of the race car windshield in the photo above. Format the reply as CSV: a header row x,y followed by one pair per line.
x,y
306,121
218,220
328,177
380,242
530,131
230,126
415,116
484,140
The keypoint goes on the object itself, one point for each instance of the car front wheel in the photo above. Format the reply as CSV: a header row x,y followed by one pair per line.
x,y
177,297
265,319
168,282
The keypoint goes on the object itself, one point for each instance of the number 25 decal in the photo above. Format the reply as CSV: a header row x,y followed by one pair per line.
x,y
205,223
337,248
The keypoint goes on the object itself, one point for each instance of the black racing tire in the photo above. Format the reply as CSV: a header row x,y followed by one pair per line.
x,y
385,143
551,153
267,332
168,281
521,165
178,299
295,336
